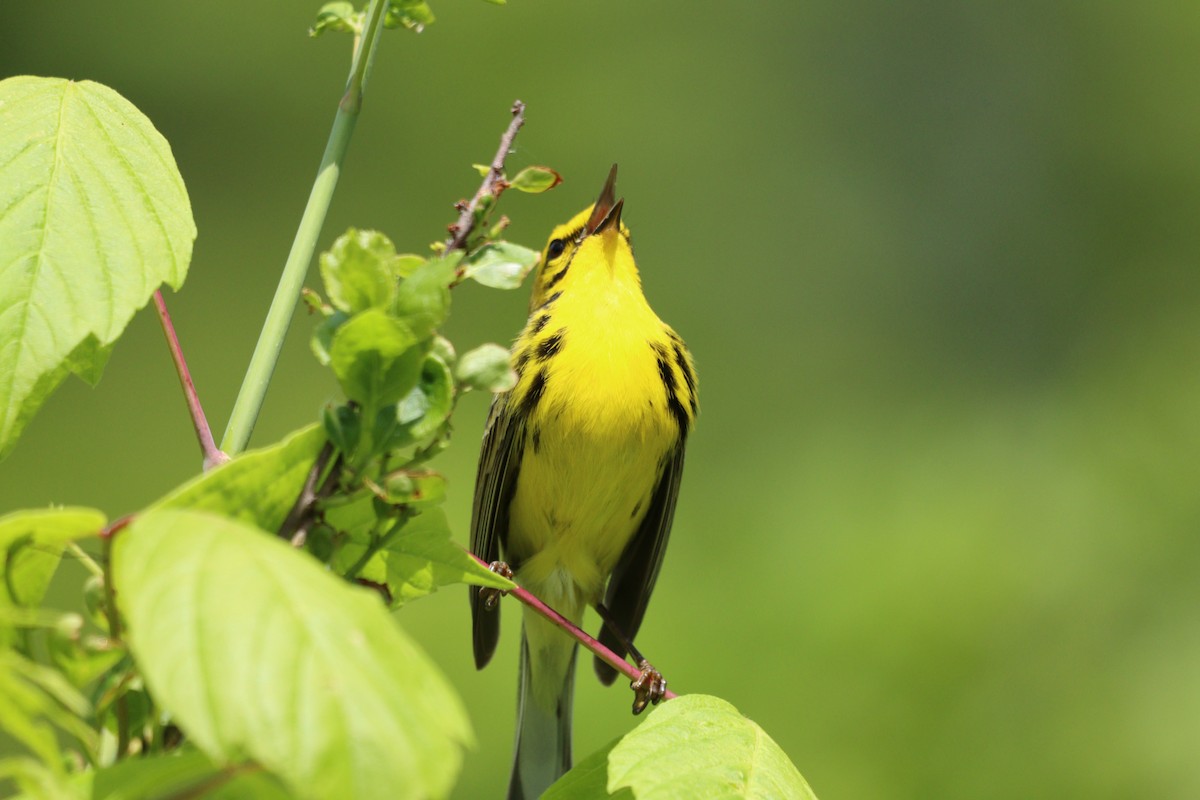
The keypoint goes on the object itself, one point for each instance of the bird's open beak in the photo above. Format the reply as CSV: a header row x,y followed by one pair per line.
x,y
606,212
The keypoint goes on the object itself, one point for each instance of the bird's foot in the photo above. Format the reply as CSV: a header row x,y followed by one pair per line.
x,y
649,688
491,596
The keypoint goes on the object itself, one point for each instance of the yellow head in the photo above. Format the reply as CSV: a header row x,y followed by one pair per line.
x,y
593,242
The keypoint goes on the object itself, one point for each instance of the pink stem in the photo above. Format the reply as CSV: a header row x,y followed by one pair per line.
x,y
584,638
212,456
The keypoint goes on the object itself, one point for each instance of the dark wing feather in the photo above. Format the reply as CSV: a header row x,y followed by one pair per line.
x,y
633,578
499,462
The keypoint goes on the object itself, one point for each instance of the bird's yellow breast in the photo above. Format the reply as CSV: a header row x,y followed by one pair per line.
x,y
598,430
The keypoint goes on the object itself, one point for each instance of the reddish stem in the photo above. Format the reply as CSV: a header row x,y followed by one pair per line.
x,y
583,637
212,456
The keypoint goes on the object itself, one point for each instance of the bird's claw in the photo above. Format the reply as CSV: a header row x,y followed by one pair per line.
x,y
489,595
648,689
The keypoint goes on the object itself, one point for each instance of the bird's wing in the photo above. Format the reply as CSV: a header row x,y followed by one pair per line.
x,y
499,462
633,578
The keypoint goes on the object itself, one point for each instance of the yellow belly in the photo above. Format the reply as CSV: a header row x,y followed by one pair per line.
x,y
592,458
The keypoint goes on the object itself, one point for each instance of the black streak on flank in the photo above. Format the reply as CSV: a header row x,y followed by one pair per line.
x,y
668,378
536,438
538,324
536,390
688,376
521,362
548,348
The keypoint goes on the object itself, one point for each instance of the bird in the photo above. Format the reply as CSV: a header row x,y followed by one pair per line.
x,y
579,472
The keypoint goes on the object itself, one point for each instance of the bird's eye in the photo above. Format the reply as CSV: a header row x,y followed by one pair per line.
x,y
556,249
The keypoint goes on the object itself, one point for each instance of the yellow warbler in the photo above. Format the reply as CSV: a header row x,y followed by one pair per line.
x,y
580,470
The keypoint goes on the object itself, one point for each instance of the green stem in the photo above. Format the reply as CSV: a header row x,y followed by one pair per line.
x,y
120,705
86,560
376,545
270,341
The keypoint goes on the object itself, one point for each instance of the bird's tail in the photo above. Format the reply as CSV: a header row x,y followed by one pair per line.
x,y
545,693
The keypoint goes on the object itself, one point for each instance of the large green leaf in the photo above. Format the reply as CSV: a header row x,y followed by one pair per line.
x,y
258,487
263,655
692,746
94,217
183,774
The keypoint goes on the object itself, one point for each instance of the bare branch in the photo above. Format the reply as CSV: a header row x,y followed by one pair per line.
x,y
461,229
583,637
208,448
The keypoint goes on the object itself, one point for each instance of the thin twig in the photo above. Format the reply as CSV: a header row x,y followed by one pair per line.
x,y
374,547
298,520
120,705
461,229
584,638
208,448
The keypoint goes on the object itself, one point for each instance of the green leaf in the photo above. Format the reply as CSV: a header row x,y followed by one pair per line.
x,y
501,265
94,217
33,698
258,487
411,14
423,410
82,659
482,169
343,426
536,180
407,264
415,488
692,746
322,339
339,17
31,545
182,774
358,271
420,558
444,349
487,368
36,781
423,298
375,358
260,653
423,557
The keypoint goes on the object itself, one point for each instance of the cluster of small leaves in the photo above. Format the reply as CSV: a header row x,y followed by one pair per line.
x,y
379,335
341,16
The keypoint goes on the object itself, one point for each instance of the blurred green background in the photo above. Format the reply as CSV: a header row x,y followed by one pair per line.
x,y
937,262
